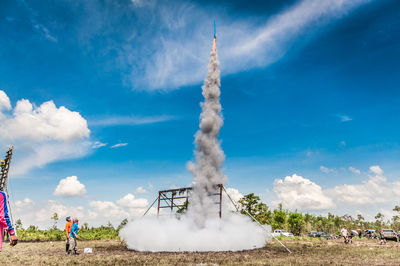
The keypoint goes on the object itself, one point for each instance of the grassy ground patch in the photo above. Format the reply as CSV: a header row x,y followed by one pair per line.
x,y
113,252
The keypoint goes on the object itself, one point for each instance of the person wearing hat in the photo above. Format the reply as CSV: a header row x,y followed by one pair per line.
x,y
73,236
68,227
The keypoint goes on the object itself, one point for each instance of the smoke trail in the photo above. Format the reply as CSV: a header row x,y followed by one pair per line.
x,y
200,229
207,171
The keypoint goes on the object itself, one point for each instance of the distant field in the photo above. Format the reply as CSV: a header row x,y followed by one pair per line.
x,y
367,252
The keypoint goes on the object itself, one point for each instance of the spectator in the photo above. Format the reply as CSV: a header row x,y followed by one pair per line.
x,y
345,234
68,227
73,236
382,238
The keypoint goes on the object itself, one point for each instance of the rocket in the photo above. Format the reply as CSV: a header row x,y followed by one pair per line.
x,y
215,37
215,30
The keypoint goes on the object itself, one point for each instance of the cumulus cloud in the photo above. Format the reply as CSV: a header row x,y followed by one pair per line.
x,y
226,202
70,187
40,213
118,145
140,190
354,170
4,101
23,203
296,192
376,170
46,122
130,201
42,134
375,189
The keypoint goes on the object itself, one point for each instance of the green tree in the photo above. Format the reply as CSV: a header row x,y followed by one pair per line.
x,y
122,224
55,219
280,216
296,223
18,224
379,220
251,204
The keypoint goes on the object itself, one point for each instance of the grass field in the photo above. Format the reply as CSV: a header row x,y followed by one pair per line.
x,y
332,252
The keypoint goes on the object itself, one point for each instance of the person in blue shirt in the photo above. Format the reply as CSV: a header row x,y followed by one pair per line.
x,y
73,236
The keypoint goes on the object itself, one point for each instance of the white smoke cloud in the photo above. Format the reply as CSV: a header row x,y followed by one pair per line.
x,y
199,229
236,232
41,134
70,187
296,192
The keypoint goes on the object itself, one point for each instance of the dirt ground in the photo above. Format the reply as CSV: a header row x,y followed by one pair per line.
x,y
332,252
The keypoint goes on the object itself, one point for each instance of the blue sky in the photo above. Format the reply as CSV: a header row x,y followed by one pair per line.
x,y
307,88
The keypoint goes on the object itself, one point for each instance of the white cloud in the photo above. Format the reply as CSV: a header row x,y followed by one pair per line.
x,y
42,134
4,101
325,169
354,170
376,170
130,201
70,187
235,196
296,192
40,213
119,145
174,57
23,203
46,122
108,209
140,190
130,120
345,118
376,189
98,144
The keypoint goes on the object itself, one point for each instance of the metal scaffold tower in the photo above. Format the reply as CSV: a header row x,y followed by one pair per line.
x,y
5,167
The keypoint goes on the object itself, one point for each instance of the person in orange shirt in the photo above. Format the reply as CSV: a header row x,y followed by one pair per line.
x,y
68,227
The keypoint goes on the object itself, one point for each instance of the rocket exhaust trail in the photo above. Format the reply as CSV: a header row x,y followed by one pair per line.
x,y
206,171
200,228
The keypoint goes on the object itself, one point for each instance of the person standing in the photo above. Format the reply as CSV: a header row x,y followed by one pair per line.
x,y
73,236
5,221
68,227
345,234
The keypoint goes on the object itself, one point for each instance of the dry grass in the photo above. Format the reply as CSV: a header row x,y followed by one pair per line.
x,y
115,253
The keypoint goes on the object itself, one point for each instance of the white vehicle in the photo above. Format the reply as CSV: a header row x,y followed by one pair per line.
x,y
281,232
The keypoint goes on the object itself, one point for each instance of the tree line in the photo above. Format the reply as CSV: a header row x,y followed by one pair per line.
x,y
302,223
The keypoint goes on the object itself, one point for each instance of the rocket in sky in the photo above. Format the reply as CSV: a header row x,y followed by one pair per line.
x,y
215,37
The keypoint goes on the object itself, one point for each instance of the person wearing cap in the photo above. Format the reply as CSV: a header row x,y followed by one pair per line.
x,y
68,227
5,221
73,236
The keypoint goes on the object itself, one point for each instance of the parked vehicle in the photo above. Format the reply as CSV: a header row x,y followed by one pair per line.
x,y
281,232
313,234
390,234
323,235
